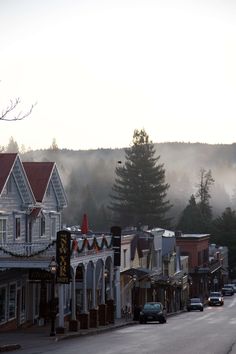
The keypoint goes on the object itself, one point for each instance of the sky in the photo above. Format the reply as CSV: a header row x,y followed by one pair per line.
x,y
99,69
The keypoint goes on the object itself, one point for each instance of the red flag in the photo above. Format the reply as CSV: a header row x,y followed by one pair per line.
x,y
84,227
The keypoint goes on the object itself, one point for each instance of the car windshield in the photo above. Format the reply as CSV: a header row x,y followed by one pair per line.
x,y
152,306
215,294
196,300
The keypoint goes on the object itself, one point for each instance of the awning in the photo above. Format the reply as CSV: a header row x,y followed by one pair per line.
x,y
139,272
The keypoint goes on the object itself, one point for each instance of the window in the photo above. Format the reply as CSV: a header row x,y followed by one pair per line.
x,y
23,291
124,253
36,299
12,301
17,227
3,230
3,301
53,228
42,226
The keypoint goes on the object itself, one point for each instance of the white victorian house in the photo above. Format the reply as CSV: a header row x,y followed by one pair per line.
x,y
32,198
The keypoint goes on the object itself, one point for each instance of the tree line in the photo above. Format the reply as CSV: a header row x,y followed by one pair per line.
x,y
129,187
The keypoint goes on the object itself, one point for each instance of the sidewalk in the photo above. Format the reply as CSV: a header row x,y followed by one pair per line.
x,y
38,335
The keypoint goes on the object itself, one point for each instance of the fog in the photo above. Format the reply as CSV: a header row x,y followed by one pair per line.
x,y
88,175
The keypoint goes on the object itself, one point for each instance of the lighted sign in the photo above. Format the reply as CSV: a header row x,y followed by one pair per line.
x,y
63,256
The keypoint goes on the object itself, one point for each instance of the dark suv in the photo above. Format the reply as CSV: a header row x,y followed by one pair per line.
x,y
227,290
153,311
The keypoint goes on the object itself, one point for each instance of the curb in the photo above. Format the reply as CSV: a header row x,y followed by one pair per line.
x,y
9,347
81,333
95,331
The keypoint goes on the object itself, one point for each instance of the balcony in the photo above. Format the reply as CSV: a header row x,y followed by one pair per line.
x,y
38,254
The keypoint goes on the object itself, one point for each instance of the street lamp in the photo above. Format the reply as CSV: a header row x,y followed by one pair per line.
x,y
53,271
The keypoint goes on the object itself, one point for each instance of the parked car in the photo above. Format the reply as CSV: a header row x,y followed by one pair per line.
x,y
195,304
227,290
233,286
153,311
215,298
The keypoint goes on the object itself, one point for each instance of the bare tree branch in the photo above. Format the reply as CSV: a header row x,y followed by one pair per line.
x,y
9,115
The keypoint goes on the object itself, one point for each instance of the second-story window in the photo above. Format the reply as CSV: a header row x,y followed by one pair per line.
x,y
53,228
3,230
17,227
42,226
124,258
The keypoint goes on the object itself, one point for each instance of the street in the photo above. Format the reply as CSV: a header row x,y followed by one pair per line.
x,y
212,331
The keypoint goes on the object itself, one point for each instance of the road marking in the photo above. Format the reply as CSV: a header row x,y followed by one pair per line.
x,y
232,303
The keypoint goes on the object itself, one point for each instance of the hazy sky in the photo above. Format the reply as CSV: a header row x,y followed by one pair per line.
x,y
98,69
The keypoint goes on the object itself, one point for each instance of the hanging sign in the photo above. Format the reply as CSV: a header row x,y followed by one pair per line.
x,y
63,256
116,242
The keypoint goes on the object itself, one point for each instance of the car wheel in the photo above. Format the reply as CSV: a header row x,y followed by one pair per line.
x,y
201,309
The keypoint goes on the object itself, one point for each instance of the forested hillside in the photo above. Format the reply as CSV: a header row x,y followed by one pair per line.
x,y
88,177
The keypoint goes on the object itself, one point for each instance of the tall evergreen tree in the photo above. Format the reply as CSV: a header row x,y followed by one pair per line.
x,y
203,193
190,220
139,192
223,233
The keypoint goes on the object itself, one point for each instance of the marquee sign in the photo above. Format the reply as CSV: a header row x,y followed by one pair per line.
x,y
63,256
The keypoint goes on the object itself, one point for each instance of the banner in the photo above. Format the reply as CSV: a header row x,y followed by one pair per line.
x,y
63,256
116,242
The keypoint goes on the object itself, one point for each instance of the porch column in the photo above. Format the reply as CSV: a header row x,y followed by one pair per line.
x,y
117,292
103,285
111,291
85,302
94,302
61,305
73,297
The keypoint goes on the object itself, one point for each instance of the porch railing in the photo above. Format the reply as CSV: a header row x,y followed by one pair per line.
x,y
79,247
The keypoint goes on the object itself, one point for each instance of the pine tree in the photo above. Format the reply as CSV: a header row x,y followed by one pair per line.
x,y
203,193
190,220
139,192
12,146
197,216
223,233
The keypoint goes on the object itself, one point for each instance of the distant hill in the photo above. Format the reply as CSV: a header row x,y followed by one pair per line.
x,y
89,174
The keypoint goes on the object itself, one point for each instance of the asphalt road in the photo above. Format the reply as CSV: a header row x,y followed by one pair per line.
x,y
212,331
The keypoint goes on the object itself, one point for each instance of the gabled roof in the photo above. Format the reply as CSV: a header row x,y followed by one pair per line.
x,y
38,174
141,241
6,164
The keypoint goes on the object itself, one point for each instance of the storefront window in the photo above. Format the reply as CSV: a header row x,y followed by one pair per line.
x,y
23,299
3,297
12,301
